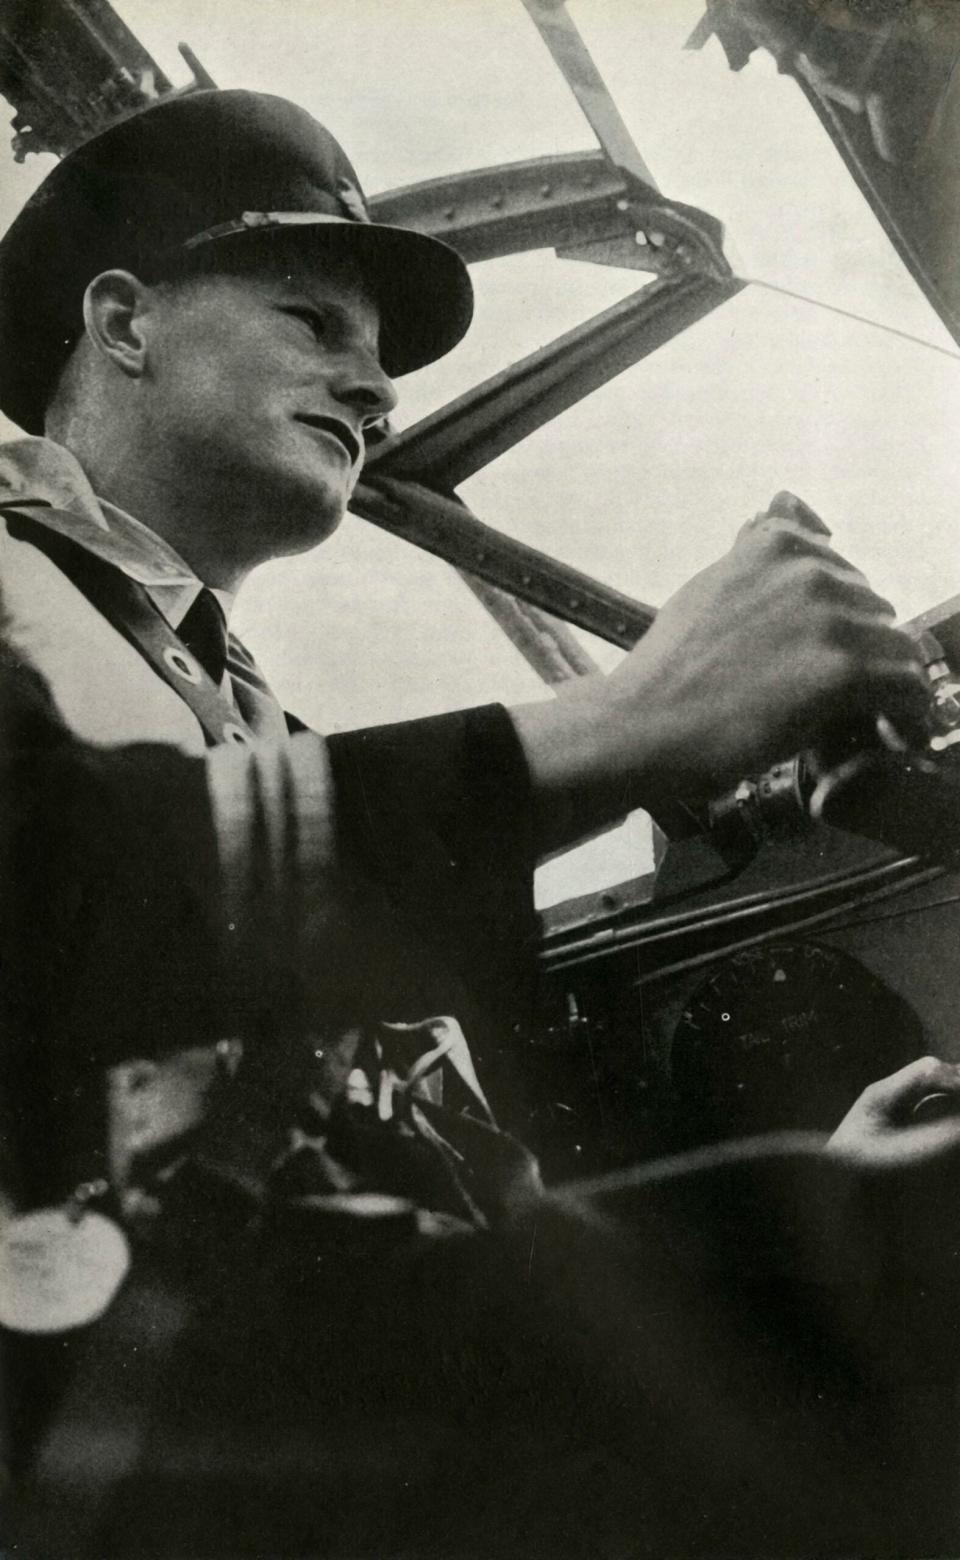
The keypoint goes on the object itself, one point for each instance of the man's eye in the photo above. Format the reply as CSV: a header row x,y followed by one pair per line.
x,y
310,317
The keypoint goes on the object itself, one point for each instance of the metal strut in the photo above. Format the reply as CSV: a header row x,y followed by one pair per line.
x,y
562,38
452,444
443,525
602,207
408,481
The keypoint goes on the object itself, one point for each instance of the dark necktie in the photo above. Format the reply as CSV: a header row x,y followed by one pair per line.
x,y
204,632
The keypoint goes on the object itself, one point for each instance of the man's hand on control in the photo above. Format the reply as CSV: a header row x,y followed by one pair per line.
x,y
906,1119
752,658
758,656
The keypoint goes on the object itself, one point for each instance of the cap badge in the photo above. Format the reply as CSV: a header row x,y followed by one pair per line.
x,y
352,201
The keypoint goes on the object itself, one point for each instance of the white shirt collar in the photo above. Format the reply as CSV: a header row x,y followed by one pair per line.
x,y
38,471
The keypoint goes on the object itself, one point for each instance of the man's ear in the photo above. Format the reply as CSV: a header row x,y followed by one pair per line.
x,y
115,307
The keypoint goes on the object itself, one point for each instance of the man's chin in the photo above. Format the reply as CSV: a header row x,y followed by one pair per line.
x,y
303,517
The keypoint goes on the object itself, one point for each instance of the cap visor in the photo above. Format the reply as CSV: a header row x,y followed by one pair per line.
x,y
422,286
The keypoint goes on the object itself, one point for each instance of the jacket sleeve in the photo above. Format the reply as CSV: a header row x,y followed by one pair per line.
x,y
381,874
109,934
156,902
438,812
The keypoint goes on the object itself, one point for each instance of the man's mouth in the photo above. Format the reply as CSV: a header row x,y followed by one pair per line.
x,y
338,430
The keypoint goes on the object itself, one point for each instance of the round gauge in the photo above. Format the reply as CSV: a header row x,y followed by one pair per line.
x,y
786,1036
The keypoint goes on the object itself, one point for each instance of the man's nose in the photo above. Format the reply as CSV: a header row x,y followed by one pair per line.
x,y
366,388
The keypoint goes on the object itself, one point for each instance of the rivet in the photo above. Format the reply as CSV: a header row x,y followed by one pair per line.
x,y
623,205
640,238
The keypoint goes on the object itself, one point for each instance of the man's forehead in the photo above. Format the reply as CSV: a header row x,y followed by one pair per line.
x,y
339,281
322,278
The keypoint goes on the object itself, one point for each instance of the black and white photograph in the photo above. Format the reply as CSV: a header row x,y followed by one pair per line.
x,y
479,779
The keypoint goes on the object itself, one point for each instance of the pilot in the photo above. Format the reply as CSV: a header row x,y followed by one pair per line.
x,y
200,329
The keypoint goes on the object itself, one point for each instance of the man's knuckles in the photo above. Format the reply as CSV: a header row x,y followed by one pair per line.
x,y
865,634
768,544
770,538
787,506
847,588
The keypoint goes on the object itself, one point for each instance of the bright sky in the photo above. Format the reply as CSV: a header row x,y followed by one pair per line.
x,y
646,481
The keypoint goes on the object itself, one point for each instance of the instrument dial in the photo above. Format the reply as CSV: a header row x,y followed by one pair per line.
x,y
786,1036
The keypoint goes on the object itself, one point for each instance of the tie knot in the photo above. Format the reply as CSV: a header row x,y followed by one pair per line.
x,y
204,632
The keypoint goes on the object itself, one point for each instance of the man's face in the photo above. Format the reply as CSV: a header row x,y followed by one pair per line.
x,y
264,387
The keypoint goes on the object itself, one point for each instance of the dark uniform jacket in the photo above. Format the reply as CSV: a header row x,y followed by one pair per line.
x,y
170,895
